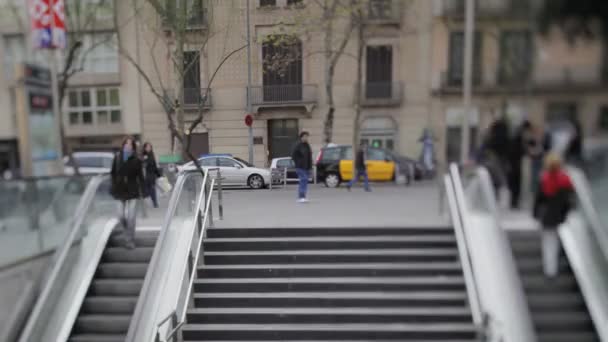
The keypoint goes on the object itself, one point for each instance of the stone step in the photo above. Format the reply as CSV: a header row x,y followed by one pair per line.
x,y
330,242
331,299
331,256
327,315
335,332
330,269
312,232
334,284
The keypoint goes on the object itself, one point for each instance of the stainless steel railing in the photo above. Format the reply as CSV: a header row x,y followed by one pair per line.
x,y
203,217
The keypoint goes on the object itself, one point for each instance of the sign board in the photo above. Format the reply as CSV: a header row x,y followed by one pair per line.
x,y
48,23
248,120
38,126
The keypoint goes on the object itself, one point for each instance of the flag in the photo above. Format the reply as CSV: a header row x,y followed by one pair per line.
x,y
48,23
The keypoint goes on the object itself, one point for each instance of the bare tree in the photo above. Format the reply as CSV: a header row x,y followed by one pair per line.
x,y
172,29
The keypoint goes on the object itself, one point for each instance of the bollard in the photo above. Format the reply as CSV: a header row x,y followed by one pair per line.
x,y
285,178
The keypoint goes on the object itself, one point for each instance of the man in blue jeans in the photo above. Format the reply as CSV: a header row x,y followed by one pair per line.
x,y
360,169
302,158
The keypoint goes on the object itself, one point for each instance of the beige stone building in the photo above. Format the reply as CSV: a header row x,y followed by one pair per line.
x,y
412,78
517,72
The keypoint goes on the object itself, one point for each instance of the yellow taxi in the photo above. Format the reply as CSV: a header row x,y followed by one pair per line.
x,y
380,166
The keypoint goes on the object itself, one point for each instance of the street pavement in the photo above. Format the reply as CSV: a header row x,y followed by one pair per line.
x,y
386,206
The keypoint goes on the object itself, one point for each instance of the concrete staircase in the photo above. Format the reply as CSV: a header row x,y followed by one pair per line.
x,y
557,305
107,309
338,284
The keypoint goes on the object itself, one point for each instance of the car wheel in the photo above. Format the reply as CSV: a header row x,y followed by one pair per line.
x,y
332,180
255,182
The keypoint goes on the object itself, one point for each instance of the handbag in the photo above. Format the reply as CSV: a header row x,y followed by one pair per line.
x,y
164,185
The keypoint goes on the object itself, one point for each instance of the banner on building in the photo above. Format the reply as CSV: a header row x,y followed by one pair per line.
x,y
48,23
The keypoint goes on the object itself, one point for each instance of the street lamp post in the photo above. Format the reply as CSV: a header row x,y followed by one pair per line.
x,y
250,127
469,41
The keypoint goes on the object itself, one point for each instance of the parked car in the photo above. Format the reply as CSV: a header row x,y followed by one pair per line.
x,y
235,172
335,165
278,166
89,163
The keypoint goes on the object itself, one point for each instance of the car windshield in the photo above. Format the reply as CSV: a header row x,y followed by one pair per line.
x,y
243,162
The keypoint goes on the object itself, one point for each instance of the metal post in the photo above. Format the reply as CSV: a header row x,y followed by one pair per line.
x,y
469,41
220,197
285,178
249,110
314,174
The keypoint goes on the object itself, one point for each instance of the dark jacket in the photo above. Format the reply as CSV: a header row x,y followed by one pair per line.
x,y
127,178
302,156
360,160
151,171
553,198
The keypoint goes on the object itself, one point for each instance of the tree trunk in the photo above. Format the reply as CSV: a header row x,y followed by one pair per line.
x,y
328,124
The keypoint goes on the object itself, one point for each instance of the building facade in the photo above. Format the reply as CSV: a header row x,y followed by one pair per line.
x,y
412,77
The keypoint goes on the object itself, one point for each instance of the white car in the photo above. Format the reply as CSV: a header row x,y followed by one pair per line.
x,y
278,166
90,163
235,172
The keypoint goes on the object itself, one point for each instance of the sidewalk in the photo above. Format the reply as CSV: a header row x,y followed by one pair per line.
x,y
386,206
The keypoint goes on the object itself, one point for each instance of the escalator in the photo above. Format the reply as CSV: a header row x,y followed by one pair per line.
x,y
557,305
110,302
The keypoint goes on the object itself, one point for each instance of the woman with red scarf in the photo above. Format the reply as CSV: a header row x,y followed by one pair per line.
x,y
551,207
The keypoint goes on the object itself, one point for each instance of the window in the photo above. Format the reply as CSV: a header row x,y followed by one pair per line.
x,y
515,57
380,9
197,13
99,106
192,77
331,154
379,72
264,3
560,113
376,154
282,59
209,162
294,2
285,164
456,59
225,162
15,52
102,56
602,120
90,162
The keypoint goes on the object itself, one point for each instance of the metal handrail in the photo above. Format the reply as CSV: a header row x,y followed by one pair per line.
x,y
482,317
179,314
60,258
585,200
456,210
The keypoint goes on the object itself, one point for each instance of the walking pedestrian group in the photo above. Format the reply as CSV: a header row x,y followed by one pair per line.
x,y
133,177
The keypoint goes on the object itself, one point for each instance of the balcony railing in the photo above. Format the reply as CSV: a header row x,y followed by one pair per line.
x,y
540,80
384,12
377,94
193,98
288,95
488,8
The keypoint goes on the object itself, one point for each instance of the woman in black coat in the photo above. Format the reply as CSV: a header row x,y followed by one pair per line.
x,y
151,173
127,187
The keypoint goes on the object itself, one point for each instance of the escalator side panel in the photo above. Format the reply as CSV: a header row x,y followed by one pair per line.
x,y
72,294
590,269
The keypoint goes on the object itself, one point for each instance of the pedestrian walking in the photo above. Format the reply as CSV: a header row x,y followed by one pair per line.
x,y
517,150
127,187
302,158
360,169
151,173
551,207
